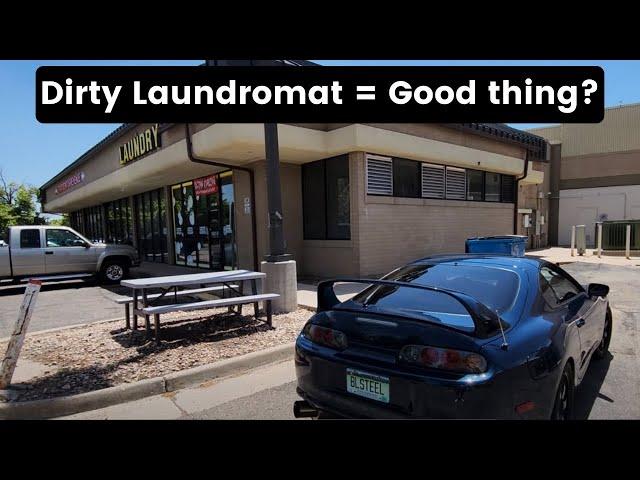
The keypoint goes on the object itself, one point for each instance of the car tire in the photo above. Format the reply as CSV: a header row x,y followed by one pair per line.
x,y
603,347
564,398
113,271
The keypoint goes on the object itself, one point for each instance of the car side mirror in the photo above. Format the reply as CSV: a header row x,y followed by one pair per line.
x,y
598,290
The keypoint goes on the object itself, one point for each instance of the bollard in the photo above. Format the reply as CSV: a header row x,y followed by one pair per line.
x,y
573,240
599,240
628,243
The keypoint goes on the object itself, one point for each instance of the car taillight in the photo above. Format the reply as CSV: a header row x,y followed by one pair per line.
x,y
325,336
443,359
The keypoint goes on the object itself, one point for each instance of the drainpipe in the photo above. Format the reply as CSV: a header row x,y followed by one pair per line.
x,y
197,159
515,203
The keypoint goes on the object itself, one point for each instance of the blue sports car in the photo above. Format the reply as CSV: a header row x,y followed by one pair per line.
x,y
466,336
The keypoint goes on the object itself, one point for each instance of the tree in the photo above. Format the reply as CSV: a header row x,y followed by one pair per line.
x,y
63,221
17,205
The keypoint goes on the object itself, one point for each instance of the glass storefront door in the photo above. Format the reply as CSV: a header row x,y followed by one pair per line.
x,y
151,222
203,222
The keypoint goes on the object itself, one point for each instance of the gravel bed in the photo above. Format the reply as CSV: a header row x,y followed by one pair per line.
x,y
103,355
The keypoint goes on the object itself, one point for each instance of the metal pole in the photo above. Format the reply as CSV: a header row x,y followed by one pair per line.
x,y
628,243
599,240
274,196
573,240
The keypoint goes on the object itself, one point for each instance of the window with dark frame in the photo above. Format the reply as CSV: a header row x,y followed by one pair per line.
x,y
150,220
326,205
30,238
491,187
475,185
405,178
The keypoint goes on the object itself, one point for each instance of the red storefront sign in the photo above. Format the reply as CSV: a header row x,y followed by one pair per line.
x,y
206,185
73,180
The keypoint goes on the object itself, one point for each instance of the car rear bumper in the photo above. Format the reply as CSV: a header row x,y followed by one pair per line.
x,y
321,377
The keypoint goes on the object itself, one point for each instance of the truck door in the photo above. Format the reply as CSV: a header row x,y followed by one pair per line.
x,y
27,254
66,252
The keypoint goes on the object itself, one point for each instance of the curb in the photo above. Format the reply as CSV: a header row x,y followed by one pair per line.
x,y
63,406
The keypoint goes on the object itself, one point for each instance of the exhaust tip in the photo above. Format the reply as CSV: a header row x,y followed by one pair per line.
x,y
302,409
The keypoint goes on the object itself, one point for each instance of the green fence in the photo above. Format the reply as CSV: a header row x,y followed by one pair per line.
x,y
614,234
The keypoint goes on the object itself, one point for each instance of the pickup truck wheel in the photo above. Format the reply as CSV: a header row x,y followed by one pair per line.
x,y
113,271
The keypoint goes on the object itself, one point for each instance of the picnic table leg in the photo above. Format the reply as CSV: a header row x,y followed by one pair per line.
x,y
241,294
145,303
156,323
135,308
127,317
254,291
269,314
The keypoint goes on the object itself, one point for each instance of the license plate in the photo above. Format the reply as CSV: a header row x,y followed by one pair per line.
x,y
368,385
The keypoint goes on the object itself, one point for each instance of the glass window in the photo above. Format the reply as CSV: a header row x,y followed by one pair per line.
x,y
492,187
562,287
495,288
337,201
313,201
475,185
30,238
406,178
63,238
152,232
326,203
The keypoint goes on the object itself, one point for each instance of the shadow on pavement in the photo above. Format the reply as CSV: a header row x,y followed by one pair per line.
x,y
175,334
589,389
183,332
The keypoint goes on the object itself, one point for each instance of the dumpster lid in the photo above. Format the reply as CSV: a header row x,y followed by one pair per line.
x,y
501,237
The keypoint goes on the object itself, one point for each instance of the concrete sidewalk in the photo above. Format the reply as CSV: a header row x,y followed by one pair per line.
x,y
563,255
191,402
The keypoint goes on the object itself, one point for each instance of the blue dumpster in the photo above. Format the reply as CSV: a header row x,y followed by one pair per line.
x,y
513,245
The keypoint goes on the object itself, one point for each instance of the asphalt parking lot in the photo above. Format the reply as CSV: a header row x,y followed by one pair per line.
x,y
610,390
60,304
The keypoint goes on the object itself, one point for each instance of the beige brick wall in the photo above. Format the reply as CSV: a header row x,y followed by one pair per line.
x,y
394,231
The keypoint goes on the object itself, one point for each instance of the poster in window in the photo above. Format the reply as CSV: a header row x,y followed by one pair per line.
x,y
206,185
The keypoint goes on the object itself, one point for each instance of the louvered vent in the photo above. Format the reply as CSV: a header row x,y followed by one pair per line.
x,y
432,181
456,183
508,188
379,176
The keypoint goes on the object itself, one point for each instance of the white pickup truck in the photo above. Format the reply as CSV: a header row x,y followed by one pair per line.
x,y
61,253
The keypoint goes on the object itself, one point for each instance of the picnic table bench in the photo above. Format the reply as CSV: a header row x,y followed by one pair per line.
x,y
232,281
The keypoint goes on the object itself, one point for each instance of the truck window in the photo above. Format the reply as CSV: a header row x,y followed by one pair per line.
x,y
30,238
63,238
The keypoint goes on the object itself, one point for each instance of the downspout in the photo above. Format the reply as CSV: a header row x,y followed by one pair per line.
x,y
515,203
196,159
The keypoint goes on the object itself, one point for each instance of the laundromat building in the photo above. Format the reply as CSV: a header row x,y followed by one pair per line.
x,y
357,199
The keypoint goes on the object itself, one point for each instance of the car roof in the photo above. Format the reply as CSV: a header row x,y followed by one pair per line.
x,y
487,260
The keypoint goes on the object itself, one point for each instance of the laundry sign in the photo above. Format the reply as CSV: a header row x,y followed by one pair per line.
x,y
206,185
141,144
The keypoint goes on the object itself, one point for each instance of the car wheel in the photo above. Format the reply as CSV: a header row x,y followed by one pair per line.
x,y
113,271
563,404
603,348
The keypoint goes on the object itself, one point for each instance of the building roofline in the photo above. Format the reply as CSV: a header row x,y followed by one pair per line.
x,y
532,142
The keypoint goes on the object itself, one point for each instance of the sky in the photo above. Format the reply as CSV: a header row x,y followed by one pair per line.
x,y
32,152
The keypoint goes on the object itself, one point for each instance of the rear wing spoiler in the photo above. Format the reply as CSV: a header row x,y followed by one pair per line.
x,y
485,320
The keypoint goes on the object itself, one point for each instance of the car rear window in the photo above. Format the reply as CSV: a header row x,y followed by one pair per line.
x,y
494,287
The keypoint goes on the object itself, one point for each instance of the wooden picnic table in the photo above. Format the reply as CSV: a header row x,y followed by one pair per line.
x,y
141,286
